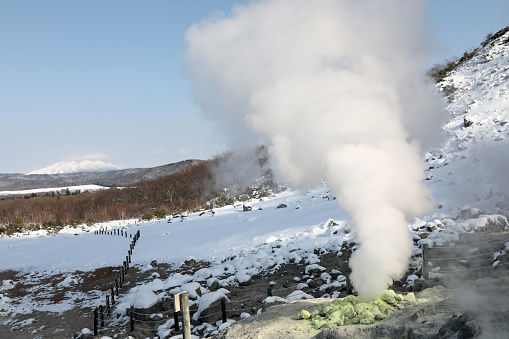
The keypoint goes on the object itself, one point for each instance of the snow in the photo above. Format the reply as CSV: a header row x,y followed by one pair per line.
x,y
208,299
297,295
144,297
72,189
74,167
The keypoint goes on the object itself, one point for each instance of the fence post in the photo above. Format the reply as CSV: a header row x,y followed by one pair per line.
x,y
186,319
223,309
108,311
112,295
132,318
425,268
176,320
127,261
348,285
116,287
176,310
101,310
96,316
269,291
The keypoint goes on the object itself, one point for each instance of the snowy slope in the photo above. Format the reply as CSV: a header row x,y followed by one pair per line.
x,y
472,166
229,231
74,167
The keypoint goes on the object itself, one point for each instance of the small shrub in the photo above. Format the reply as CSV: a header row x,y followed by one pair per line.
x,y
162,213
147,217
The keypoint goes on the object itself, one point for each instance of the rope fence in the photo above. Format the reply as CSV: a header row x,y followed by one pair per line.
x,y
426,260
105,310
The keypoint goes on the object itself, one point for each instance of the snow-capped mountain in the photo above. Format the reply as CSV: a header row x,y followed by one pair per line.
x,y
471,168
75,166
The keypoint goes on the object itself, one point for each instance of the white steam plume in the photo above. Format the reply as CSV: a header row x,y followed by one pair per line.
x,y
335,88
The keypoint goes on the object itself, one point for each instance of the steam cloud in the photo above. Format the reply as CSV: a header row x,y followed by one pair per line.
x,y
335,88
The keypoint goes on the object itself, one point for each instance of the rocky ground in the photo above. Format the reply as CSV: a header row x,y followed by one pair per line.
x,y
481,298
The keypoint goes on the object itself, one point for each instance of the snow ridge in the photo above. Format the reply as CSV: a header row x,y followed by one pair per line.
x,y
74,167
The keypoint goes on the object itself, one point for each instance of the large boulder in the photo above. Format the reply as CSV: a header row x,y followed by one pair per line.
x,y
209,306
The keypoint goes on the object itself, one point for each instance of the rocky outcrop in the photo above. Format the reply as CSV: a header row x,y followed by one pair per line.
x,y
435,316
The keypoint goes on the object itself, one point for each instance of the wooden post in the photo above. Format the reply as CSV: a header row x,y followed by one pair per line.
x,y
132,318
112,295
186,319
425,268
348,285
101,311
269,291
223,309
176,310
96,318
108,305
176,320
127,261
116,287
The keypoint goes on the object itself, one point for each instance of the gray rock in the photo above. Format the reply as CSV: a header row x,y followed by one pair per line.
x,y
469,330
213,312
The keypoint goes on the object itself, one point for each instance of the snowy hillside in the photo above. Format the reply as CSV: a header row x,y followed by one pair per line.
x,y
472,166
74,167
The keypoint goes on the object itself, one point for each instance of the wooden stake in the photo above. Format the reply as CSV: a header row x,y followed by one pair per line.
x,y
186,319
223,309
425,268
132,318
348,285
176,320
96,318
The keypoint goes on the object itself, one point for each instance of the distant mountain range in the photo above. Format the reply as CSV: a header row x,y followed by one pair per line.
x,y
75,167
111,178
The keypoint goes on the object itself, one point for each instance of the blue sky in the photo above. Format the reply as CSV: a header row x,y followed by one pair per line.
x,y
105,79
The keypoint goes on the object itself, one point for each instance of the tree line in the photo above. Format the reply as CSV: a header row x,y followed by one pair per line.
x,y
193,187
185,190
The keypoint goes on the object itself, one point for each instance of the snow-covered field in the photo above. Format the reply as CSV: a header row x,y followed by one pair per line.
x,y
467,175
72,189
227,232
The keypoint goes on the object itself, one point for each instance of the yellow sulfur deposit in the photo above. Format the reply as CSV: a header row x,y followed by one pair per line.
x,y
350,310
